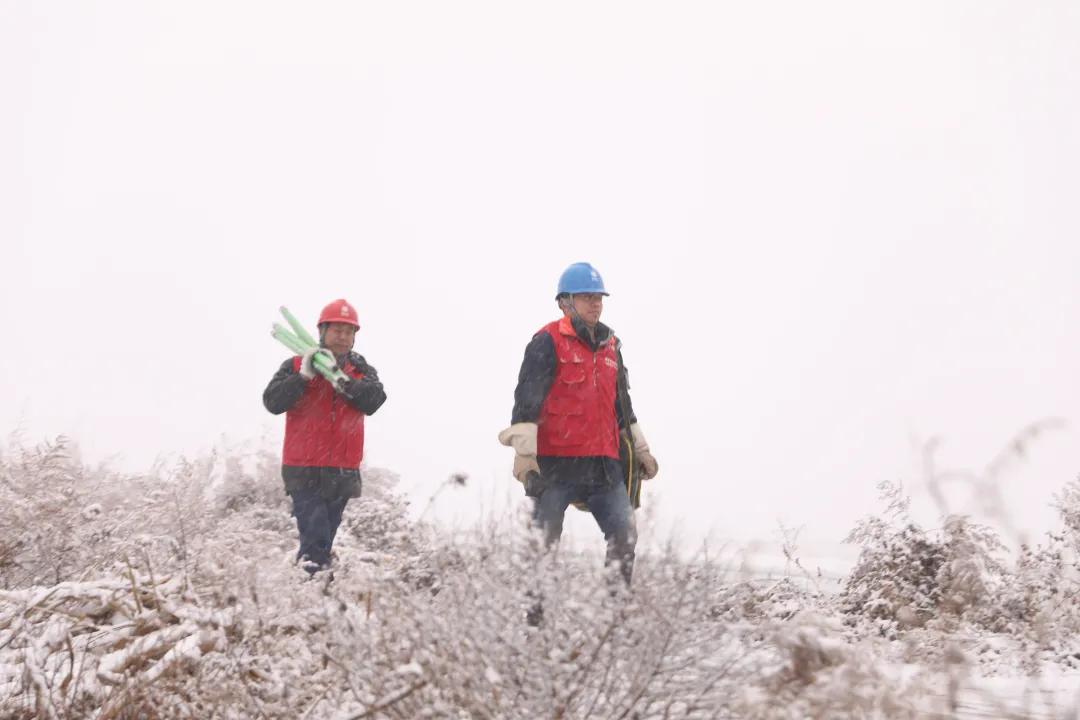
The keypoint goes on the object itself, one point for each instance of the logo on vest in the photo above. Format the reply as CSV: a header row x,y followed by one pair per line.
x,y
611,363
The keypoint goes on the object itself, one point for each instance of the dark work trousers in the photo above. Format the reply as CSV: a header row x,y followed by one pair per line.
x,y
318,505
609,505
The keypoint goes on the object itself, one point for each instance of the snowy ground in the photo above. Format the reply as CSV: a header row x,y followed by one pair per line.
x,y
174,594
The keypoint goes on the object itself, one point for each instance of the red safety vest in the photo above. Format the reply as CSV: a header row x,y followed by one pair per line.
x,y
323,429
578,417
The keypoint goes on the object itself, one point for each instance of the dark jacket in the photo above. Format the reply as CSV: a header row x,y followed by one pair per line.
x,y
365,395
287,385
538,369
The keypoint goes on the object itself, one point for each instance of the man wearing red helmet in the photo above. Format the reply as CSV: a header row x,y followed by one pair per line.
x,y
324,432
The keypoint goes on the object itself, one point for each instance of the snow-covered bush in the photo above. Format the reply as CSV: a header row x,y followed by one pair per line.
x,y
750,601
188,604
973,572
1040,602
193,607
242,477
819,674
600,651
906,576
1067,503
51,525
894,581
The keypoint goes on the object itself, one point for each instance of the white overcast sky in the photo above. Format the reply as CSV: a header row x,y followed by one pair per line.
x,y
830,230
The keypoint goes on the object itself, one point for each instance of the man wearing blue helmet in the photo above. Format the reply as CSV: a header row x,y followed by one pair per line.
x,y
571,412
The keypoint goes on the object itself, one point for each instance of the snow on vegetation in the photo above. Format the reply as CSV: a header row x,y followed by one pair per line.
x,y
173,594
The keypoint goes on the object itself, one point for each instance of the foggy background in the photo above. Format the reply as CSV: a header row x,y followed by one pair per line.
x,y
830,231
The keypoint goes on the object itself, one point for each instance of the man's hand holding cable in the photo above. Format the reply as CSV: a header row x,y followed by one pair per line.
x,y
645,460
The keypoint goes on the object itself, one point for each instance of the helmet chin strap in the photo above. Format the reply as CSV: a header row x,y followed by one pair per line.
x,y
573,308
574,313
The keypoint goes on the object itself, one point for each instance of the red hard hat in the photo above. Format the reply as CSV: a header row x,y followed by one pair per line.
x,y
339,311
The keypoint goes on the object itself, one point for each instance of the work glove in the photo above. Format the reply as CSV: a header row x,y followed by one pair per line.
x,y
522,437
645,461
365,395
307,364
523,465
354,386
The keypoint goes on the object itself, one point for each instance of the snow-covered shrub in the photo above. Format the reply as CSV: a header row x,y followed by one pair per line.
x,y
1040,603
816,673
756,602
48,518
894,580
972,575
60,520
189,605
210,617
600,651
241,477
906,576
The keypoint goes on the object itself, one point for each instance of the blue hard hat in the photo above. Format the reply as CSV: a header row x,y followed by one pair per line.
x,y
581,278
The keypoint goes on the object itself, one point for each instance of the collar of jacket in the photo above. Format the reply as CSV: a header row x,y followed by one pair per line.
x,y
576,326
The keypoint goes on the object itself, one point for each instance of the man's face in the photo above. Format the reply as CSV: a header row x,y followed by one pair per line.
x,y
339,337
588,307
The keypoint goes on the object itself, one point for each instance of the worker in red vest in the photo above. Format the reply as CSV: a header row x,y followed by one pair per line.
x,y
324,432
570,404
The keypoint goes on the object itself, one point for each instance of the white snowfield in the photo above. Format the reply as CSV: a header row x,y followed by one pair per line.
x,y
177,597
